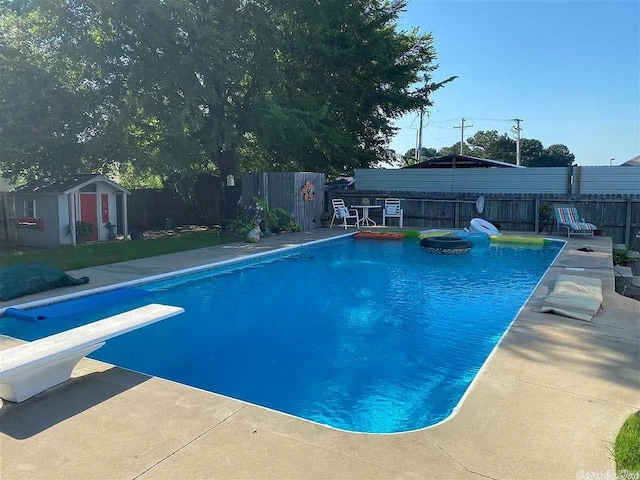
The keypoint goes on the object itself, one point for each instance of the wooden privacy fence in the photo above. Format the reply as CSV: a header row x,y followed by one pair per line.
x,y
617,215
301,193
153,208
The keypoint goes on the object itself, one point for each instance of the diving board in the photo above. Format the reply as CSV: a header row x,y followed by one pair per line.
x,y
30,368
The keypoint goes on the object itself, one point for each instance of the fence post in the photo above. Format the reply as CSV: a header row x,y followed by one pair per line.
x,y
627,223
536,215
456,212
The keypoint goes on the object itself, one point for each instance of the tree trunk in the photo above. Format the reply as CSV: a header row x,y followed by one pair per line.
x,y
226,163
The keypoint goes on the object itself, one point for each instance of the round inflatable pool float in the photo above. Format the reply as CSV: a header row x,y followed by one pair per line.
x,y
446,245
481,225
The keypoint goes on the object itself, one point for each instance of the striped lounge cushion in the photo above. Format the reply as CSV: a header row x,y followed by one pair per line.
x,y
569,216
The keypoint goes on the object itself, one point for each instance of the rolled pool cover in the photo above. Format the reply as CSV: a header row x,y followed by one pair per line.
x,y
23,315
520,240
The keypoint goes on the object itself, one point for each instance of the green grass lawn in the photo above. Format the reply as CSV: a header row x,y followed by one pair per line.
x,y
92,254
627,447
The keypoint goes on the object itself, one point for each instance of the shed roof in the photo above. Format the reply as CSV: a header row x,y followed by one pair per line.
x,y
634,162
70,184
341,183
461,161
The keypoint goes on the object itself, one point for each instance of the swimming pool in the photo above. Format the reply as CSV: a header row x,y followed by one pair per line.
x,y
363,335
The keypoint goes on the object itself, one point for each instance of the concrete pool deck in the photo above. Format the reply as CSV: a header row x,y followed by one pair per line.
x,y
548,404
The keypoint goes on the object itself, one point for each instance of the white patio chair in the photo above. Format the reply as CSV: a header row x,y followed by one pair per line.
x,y
340,211
391,210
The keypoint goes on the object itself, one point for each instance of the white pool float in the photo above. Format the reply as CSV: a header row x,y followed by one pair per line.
x,y
481,225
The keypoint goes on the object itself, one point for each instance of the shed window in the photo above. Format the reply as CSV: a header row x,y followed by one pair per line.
x,y
30,209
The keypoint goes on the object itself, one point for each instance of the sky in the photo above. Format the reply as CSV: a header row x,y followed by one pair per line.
x,y
569,69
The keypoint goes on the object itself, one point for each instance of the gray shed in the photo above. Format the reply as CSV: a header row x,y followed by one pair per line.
x,y
46,213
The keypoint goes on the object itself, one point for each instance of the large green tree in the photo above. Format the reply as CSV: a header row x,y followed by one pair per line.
x,y
489,144
409,158
173,87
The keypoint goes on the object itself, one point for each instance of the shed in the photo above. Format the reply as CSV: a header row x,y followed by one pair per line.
x,y
46,212
461,161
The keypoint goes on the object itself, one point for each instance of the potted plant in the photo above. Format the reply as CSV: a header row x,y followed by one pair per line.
x,y
83,230
545,215
326,220
599,230
545,211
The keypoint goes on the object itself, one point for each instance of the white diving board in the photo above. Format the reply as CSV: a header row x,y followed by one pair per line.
x,y
30,368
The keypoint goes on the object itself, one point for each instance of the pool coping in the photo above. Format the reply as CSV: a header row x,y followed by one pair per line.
x,y
441,446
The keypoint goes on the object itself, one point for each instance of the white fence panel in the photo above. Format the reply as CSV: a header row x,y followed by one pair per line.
x,y
609,180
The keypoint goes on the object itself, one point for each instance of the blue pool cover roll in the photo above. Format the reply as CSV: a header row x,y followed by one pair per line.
x,y
23,314
83,304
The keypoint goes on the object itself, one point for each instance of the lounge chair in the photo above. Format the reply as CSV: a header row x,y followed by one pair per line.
x,y
341,212
30,368
567,217
391,210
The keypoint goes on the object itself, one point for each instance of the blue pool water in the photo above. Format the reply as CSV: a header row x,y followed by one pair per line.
x,y
362,335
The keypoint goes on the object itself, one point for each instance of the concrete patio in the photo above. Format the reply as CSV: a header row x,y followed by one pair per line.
x,y
548,405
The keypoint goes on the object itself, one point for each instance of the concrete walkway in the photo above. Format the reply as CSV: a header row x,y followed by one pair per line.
x,y
547,406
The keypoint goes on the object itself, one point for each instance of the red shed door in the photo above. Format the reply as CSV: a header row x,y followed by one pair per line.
x,y
89,212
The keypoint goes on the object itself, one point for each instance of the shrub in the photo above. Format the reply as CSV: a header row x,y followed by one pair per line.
x,y
244,220
84,228
276,219
621,257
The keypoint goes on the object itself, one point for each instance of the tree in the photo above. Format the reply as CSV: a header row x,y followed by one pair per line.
x,y
410,155
558,155
455,150
175,87
488,144
531,152
491,145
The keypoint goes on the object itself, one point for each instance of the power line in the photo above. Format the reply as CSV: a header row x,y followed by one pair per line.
x,y
448,121
448,127
440,113
446,139
490,119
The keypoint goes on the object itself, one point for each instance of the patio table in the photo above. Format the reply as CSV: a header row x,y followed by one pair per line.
x,y
365,219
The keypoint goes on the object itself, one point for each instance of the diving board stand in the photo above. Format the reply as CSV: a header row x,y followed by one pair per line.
x,y
30,368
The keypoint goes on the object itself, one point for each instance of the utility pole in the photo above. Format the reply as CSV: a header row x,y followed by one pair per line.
x,y
461,127
517,131
419,149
